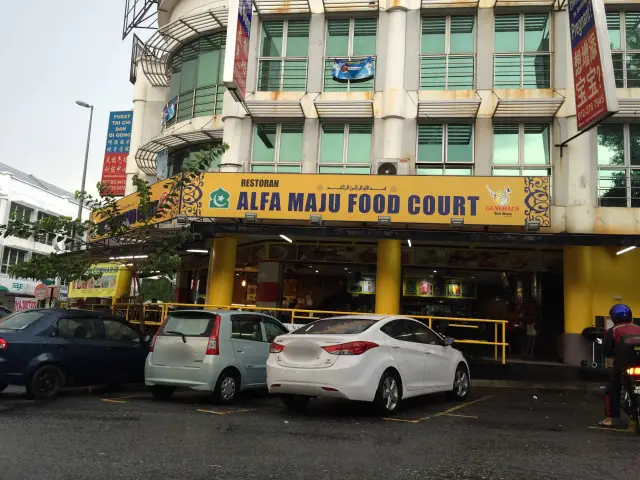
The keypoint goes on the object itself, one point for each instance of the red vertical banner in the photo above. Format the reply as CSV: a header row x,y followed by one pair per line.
x,y
114,167
593,76
237,54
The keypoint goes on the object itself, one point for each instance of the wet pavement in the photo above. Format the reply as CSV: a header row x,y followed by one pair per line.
x,y
497,434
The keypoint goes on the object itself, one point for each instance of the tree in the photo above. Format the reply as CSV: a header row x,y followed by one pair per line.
x,y
135,237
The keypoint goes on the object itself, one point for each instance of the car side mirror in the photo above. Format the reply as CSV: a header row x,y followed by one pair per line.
x,y
448,341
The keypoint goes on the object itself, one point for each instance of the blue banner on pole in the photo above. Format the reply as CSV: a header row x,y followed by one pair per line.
x,y
169,112
344,70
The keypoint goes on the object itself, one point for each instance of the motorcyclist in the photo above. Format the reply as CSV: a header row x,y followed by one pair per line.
x,y
622,318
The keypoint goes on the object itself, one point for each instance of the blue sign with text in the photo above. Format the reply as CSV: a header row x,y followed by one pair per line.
x,y
347,70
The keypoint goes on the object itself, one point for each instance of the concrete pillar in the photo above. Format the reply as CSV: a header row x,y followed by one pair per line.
x,y
388,277
270,284
578,293
237,134
181,292
123,284
310,145
484,49
222,264
315,70
483,146
137,126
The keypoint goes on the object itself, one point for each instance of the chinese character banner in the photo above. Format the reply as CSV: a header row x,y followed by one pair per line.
x,y
114,168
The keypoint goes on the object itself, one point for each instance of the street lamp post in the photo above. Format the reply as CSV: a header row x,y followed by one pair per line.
x,y
86,158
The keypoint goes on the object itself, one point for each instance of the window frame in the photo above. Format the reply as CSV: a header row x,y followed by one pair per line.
x,y
44,238
345,151
623,50
521,166
447,49
521,49
14,207
248,317
444,163
102,323
627,167
350,56
276,155
98,335
267,320
283,58
4,267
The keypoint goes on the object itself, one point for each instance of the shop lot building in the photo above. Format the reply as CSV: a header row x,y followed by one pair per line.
x,y
445,190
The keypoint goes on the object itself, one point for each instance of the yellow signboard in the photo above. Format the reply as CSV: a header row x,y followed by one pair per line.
x,y
104,286
366,198
133,215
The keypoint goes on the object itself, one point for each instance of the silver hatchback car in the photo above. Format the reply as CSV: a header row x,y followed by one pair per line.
x,y
223,352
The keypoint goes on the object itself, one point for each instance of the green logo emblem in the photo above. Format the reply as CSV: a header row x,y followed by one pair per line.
x,y
219,198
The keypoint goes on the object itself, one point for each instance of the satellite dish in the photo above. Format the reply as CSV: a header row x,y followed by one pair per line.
x,y
387,168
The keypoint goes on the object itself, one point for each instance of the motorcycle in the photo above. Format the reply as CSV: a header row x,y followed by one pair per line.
x,y
630,393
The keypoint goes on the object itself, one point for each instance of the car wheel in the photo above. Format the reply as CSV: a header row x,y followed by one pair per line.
x,y
295,402
461,384
388,396
162,392
3,387
45,383
227,387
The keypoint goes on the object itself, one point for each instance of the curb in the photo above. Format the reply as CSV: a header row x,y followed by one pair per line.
x,y
556,386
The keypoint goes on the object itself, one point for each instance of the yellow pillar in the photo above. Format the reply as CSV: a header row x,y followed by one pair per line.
x,y
578,302
388,277
123,285
222,264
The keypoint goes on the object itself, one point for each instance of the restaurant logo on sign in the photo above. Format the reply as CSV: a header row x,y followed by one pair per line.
x,y
593,77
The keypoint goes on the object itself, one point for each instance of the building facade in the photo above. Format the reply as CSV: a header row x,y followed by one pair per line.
x,y
459,88
29,198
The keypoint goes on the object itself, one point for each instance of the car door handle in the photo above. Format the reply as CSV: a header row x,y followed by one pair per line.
x,y
394,346
240,351
428,353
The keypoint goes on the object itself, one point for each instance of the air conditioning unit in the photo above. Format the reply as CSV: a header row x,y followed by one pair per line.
x,y
392,166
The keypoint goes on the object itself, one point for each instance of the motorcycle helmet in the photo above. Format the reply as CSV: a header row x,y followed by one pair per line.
x,y
620,313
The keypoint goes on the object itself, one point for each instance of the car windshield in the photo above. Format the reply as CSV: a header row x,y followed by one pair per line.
x,y
336,326
20,320
191,324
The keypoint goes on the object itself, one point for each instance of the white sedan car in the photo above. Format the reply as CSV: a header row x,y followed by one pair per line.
x,y
373,358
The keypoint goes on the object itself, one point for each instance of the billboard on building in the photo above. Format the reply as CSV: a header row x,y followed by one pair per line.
x,y
237,50
114,167
594,82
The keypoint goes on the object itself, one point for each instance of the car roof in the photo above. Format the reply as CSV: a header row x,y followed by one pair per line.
x,y
75,312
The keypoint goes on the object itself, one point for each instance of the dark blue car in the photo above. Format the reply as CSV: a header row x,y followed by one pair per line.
x,y
47,349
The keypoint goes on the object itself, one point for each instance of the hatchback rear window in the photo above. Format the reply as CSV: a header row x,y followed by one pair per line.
x,y
189,324
20,320
336,326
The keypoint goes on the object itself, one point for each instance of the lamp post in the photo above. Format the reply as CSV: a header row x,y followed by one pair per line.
x,y
86,157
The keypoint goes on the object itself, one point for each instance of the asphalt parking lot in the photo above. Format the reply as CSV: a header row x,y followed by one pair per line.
x,y
496,434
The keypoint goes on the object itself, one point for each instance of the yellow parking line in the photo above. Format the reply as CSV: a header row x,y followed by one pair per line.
x,y
111,400
462,405
460,416
403,420
225,413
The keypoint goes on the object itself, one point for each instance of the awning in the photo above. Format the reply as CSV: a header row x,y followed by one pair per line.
x,y
528,3
344,105
628,107
274,108
522,103
448,104
334,6
17,286
265,7
146,156
159,47
449,3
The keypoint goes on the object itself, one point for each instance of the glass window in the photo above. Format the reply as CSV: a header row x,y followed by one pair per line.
x,y
349,40
442,148
619,165
283,55
423,334
12,256
178,158
189,324
43,237
77,328
196,87
522,150
400,330
277,148
273,330
522,51
345,148
118,331
336,326
20,320
624,39
246,327
22,214
448,53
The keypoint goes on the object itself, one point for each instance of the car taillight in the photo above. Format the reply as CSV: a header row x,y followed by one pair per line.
x,y
631,371
153,340
275,347
351,348
213,347
3,344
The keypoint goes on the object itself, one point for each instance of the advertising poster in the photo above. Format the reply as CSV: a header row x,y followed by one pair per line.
x,y
237,52
114,167
100,286
22,304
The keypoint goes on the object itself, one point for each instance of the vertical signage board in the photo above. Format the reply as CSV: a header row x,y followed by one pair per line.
x,y
237,50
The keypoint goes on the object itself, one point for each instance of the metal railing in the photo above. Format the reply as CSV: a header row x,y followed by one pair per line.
x,y
523,70
282,74
200,102
447,72
155,313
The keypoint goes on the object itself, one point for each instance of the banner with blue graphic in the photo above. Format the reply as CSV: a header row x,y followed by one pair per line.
x,y
344,70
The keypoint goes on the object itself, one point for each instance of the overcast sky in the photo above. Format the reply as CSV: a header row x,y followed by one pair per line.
x,y
54,53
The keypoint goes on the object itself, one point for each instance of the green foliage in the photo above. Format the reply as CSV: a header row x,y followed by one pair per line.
x,y
67,267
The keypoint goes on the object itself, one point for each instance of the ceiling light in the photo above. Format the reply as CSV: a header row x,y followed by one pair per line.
x,y
409,242
315,219
532,225
435,271
197,250
457,222
346,268
625,250
244,283
384,221
250,217
316,271
284,237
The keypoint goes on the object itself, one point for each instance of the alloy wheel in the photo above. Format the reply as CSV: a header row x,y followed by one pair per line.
x,y
461,383
390,394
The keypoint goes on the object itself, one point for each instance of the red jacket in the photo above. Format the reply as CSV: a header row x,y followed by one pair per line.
x,y
614,334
